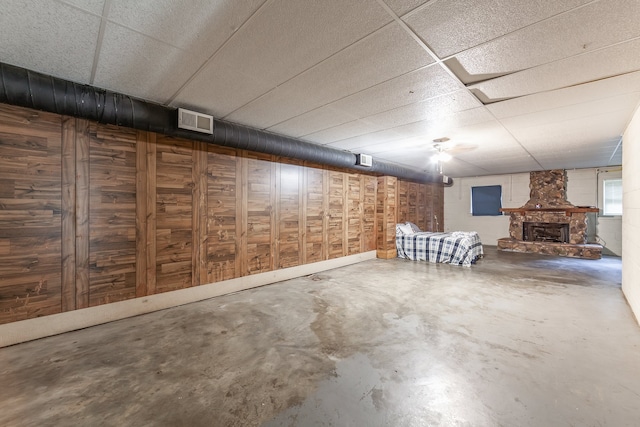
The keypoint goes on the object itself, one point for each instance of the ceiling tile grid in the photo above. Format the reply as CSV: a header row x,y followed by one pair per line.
x,y
281,41
594,26
146,68
385,54
516,85
452,26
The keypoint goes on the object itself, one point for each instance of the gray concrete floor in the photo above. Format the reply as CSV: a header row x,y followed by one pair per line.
x,y
516,340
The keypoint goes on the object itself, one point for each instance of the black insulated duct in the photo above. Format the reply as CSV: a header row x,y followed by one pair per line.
x,y
30,89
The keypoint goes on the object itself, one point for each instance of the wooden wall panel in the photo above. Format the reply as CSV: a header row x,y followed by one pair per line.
x,y
315,233
222,259
288,217
93,214
145,214
337,218
355,225
421,204
423,213
438,206
174,214
259,214
402,191
199,231
112,215
68,203
386,216
369,213
83,196
30,214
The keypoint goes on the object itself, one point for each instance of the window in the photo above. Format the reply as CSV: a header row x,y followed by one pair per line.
x,y
486,201
612,197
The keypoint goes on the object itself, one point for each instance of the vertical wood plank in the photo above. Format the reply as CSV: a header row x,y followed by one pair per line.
x,y
199,228
141,214
345,214
83,140
112,214
361,214
369,213
145,213
174,213
302,215
314,214
30,213
242,265
68,214
326,213
223,190
150,194
276,200
386,211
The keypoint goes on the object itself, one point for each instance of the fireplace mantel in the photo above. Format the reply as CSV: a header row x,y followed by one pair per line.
x,y
568,211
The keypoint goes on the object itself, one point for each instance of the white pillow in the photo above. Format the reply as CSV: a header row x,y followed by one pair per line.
x,y
414,228
403,229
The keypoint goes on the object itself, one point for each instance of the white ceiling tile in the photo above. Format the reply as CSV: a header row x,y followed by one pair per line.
x,y
577,132
344,131
410,88
363,141
48,37
627,102
387,53
399,144
282,40
217,90
444,111
93,6
451,26
619,59
199,26
142,69
314,121
418,120
591,27
583,93
400,7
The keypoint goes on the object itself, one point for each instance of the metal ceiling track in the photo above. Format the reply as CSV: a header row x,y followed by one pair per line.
x,y
26,88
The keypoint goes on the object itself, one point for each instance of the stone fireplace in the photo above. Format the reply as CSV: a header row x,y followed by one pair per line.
x,y
548,223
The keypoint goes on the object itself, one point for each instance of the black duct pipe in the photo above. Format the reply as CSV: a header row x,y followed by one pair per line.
x,y
30,89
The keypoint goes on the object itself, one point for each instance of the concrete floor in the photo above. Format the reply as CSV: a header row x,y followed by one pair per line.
x,y
516,340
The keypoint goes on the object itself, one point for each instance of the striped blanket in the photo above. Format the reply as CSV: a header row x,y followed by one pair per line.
x,y
459,247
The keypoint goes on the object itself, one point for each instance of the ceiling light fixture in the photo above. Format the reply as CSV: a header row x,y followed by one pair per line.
x,y
441,155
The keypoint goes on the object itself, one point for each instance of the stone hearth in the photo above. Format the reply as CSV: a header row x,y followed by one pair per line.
x,y
548,205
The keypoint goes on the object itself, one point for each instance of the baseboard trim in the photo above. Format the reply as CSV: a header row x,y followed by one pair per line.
x,y
41,327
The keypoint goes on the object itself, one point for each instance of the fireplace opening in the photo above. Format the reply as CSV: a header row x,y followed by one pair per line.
x,y
545,232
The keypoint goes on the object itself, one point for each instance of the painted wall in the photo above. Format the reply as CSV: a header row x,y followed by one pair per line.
x,y
583,189
631,214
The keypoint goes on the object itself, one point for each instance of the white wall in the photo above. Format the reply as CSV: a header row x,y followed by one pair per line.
x,y
583,189
457,205
631,214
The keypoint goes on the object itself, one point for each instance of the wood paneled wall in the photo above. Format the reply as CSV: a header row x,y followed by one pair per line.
x,y
93,214
422,204
399,201
31,215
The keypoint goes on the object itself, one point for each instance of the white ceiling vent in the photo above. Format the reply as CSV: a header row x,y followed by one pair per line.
x,y
364,160
192,120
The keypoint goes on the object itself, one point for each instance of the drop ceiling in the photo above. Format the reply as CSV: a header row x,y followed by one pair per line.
x,y
516,85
